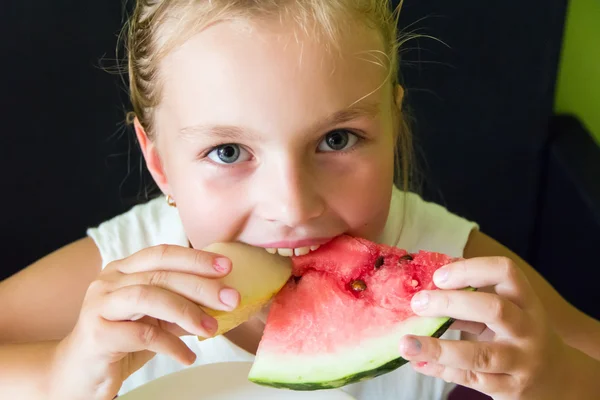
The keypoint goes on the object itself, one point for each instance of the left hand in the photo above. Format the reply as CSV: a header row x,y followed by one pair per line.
x,y
517,353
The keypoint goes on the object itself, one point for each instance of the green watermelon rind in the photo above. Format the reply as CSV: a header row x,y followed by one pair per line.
x,y
282,379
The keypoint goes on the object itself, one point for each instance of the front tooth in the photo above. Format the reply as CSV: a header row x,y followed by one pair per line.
x,y
313,248
272,251
286,252
301,251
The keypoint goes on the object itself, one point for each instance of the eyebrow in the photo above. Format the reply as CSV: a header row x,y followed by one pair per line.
x,y
230,132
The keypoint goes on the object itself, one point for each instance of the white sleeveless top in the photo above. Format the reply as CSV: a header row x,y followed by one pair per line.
x,y
412,224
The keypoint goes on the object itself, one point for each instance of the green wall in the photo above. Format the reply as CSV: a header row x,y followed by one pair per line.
x,y
578,90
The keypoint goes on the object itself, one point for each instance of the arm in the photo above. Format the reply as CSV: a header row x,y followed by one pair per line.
x,y
574,327
41,304
42,301
25,369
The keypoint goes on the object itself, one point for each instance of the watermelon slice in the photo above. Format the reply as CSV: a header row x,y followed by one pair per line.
x,y
340,318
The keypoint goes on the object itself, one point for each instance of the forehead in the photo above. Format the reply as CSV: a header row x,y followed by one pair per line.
x,y
268,77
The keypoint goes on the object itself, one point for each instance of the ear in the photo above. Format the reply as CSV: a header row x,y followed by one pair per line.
x,y
398,101
399,96
152,157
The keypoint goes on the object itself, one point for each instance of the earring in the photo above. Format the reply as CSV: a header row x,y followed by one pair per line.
x,y
171,201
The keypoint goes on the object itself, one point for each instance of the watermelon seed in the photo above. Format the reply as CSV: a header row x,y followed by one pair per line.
x,y
379,262
358,285
297,278
406,257
414,283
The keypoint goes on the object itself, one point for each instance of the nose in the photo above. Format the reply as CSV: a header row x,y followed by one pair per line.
x,y
288,193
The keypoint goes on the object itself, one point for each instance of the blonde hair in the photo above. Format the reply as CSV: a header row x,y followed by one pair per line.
x,y
157,26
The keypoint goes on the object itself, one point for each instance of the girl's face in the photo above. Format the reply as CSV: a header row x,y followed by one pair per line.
x,y
272,140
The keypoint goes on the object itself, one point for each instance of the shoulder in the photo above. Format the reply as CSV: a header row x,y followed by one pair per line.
x,y
143,226
416,224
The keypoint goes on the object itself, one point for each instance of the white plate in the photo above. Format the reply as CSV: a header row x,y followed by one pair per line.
x,y
220,381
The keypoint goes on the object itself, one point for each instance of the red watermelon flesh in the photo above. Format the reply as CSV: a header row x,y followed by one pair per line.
x,y
349,295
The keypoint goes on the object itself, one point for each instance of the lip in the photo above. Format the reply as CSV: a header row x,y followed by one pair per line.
x,y
294,244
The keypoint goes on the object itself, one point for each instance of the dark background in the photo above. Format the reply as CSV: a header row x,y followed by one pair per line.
x,y
489,146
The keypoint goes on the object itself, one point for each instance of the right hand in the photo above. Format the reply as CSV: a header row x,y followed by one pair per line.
x,y
137,307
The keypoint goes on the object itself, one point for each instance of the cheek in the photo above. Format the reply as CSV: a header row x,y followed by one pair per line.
x,y
362,197
209,205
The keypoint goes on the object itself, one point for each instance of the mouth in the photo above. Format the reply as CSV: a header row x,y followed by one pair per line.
x,y
289,252
294,248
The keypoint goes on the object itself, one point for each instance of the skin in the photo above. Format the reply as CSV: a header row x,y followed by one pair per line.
x,y
296,187
293,186
97,326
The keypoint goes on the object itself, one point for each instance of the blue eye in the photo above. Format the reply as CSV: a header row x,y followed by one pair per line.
x,y
227,154
338,140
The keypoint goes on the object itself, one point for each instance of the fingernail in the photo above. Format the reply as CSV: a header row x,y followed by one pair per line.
x,y
411,347
210,324
441,275
191,358
420,300
222,264
229,297
422,364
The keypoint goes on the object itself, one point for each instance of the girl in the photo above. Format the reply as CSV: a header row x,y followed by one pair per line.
x,y
274,123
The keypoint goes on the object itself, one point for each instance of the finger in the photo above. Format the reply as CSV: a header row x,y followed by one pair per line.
x,y
482,382
134,302
166,326
204,291
500,272
489,357
175,258
499,314
475,328
131,337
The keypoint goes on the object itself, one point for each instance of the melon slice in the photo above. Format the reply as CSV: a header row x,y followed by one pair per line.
x,y
256,275
340,319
